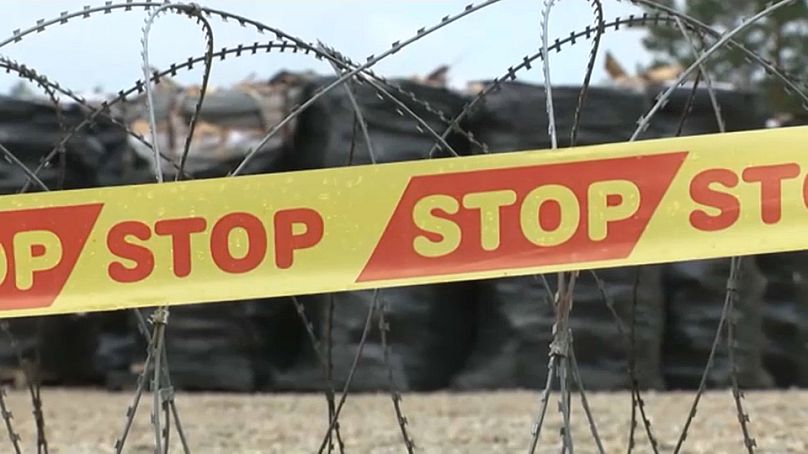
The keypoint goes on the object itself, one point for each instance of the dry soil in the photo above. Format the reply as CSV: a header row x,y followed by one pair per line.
x,y
88,421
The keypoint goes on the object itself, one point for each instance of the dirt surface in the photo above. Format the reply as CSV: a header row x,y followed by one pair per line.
x,y
88,421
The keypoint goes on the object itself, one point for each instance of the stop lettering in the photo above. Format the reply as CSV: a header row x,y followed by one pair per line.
x,y
527,216
713,189
293,230
547,216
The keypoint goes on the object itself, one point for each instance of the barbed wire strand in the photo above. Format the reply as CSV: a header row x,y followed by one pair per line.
x,y
140,386
735,266
64,17
168,398
159,320
743,418
322,360
170,407
401,108
642,126
543,402
732,281
558,346
705,373
330,372
541,280
372,60
160,316
737,394
632,360
637,401
689,104
192,11
623,332
597,9
579,383
60,122
207,67
548,85
33,384
13,436
565,306
696,50
383,326
527,61
609,301
354,366
636,397
627,335
11,158
238,50
359,119
395,395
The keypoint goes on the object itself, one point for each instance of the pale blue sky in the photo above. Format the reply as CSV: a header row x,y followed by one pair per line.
x,y
105,50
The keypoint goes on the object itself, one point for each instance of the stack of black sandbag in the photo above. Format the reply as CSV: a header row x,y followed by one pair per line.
x,y
426,344
785,317
696,290
514,317
430,326
513,117
328,136
30,129
226,346
515,328
740,111
230,346
696,293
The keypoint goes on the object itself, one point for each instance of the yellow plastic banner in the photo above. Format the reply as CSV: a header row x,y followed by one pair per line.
x,y
405,223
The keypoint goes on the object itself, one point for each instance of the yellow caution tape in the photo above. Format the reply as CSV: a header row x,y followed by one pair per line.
x,y
404,224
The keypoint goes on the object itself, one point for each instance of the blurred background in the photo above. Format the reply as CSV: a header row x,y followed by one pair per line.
x,y
470,336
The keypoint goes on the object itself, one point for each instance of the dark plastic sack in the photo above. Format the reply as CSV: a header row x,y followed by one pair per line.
x,y
740,111
230,346
515,324
514,117
785,317
30,130
696,293
428,339
328,137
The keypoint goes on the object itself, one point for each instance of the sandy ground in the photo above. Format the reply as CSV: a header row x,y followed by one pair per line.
x,y
88,421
